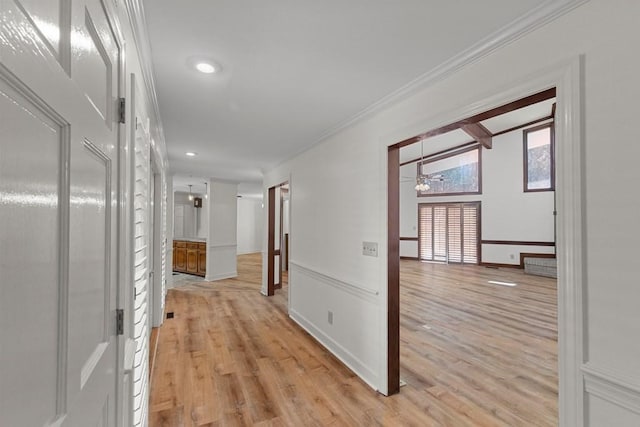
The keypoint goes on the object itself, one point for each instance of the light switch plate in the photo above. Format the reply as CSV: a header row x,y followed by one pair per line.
x,y
370,249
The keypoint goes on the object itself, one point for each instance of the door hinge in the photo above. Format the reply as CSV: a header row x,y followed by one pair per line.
x,y
119,321
121,110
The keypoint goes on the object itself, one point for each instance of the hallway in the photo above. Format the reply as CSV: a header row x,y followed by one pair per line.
x,y
233,357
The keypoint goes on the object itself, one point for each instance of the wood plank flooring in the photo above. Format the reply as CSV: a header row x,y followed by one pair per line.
x,y
472,354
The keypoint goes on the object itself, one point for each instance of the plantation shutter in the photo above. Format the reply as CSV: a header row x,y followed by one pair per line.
x,y
141,278
440,233
449,232
425,232
454,231
470,233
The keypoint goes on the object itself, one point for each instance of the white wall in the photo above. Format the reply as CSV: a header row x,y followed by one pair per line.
x,y
338,199
249,225
194,220
201,219
507,212
222,243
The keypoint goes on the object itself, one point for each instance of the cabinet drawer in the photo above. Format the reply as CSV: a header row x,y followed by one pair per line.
x,y
192,245
202,246
180,244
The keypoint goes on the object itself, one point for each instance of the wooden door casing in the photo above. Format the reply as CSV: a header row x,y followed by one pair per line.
x,y
202,259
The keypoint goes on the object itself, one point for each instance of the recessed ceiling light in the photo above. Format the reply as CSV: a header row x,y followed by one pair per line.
x,y
206,67
190,154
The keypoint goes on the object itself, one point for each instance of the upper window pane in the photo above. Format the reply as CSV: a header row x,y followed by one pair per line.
x,y
452,174
538,159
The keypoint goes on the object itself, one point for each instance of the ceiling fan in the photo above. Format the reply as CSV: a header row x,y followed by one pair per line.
x,y
423,181
424,178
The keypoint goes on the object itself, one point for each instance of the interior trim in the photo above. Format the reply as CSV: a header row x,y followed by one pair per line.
x,y
352,288
135,11
356,365
437,153
498,265
271,245
393,272
220,276
222,246
522,126
566,77
516,243
611,386
534,19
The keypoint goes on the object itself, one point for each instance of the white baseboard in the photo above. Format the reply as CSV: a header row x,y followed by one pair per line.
x,y
220,276
352,362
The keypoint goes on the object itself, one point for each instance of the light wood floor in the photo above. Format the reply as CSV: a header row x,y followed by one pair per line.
x,y
472,354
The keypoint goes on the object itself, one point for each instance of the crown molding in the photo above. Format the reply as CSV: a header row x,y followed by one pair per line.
x,y
534,19
137,20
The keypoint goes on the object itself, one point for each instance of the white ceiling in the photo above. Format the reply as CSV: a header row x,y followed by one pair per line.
x,y
519,117
294,70
252,190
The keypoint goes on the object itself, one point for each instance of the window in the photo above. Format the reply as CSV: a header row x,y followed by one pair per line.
x,y
538,158
449,232
452,173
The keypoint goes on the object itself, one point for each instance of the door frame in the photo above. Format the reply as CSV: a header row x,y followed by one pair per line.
x,y
123,217
156,181
272,252
566,77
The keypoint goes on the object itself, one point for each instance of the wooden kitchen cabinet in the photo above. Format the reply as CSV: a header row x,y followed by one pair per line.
x,y
180,254
202,258
174,255
189,257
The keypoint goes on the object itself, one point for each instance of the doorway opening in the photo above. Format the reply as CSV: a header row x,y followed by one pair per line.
x,y
278,246
447,230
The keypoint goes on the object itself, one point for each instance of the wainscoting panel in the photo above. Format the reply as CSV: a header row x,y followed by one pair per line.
x,y
221,261
333,312
615,388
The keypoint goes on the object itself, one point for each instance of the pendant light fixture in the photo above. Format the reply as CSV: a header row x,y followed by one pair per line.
x,y
422,179
190,195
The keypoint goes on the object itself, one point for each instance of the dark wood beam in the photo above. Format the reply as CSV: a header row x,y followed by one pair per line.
x,y
478,132
429,134
437,153
498,111
512,106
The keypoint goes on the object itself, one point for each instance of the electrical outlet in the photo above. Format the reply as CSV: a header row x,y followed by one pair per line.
x,y
370,249
330,317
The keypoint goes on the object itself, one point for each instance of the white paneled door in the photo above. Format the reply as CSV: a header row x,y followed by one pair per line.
x,y
60,64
